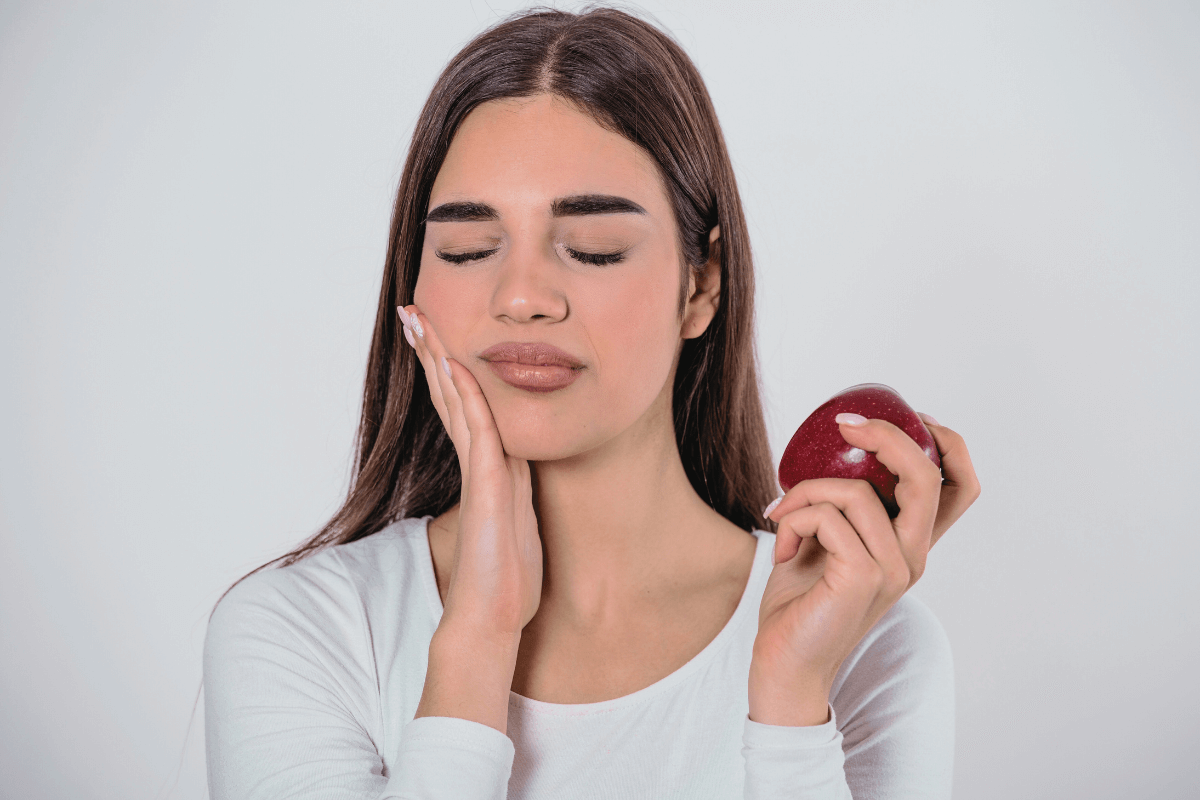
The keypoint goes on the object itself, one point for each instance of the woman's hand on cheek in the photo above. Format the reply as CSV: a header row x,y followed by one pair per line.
x,y
495,583
841,563
424,344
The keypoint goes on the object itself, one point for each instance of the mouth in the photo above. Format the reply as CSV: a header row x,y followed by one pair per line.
x,y
540,378
533,366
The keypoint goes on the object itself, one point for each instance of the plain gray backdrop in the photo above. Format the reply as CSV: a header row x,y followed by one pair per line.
x,y
993,207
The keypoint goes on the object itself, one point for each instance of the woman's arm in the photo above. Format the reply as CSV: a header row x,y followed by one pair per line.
x,y
286,702
292,705
896,699
842,565
891,732
289,705
794,762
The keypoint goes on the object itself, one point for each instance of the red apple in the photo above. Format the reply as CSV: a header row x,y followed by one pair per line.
x,y
817,450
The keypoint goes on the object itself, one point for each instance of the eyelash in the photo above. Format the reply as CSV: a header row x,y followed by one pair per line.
x,y
596,259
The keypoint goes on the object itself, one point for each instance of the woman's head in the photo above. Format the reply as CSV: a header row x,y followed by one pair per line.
x,y
544,106
546,227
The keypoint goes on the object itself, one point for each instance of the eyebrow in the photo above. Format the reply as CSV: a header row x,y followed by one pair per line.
x,y
573,206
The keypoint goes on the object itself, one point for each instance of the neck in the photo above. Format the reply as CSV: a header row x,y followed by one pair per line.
x,y
621,526
615,520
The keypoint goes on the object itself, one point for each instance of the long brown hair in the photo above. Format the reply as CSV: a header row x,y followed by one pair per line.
x,y
632,79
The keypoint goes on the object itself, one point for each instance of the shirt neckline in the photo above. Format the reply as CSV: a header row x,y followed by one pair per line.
x,y
759,571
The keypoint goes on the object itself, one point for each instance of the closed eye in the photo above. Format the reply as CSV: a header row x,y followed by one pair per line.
x,y
462,258
596,259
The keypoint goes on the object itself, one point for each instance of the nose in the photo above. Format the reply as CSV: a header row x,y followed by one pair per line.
x,y
529,283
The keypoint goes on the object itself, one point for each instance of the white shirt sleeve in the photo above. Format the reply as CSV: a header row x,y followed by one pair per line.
x,y
289,710
448,757
785,762
891,729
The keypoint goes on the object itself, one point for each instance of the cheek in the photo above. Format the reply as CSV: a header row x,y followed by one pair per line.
x,y
642,331
443,301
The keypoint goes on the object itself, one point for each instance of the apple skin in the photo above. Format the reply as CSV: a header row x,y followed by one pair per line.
x,y
817,450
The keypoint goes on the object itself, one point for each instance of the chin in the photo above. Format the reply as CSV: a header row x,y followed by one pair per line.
x,y
535,443
545,436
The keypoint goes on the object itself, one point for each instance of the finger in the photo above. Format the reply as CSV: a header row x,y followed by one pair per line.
x,y
919,489
522,486
861,506
442,393
960,485
434,351
850,566
426,360
487,451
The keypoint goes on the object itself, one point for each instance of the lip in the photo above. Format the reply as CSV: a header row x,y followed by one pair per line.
x,y
532,366
532,353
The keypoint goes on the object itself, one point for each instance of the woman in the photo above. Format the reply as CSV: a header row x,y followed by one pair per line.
x,y
548,579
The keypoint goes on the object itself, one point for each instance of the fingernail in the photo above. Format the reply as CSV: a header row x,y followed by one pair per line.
x,y
928,418
446,367
403,314
774,503
850,419
408,335
415,324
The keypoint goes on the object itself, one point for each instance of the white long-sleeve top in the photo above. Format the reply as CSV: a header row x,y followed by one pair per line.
x,y
313,673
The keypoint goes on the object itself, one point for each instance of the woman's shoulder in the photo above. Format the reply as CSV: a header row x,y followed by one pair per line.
x,y
910,627
908,638
333,588
902,667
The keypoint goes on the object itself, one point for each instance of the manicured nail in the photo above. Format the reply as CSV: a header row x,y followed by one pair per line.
x,y
767,511
415,324
403,315
850,419
408,335
928,418
446,367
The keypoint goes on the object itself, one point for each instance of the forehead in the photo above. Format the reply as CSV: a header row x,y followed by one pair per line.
x,y
522,152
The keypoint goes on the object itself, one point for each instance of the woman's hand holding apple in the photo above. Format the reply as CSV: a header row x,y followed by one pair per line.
x,y
841,563
496,580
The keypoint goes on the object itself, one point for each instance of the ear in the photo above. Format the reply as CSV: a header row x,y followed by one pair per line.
x,y
704,290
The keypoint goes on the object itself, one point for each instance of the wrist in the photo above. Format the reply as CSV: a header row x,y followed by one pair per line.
x,y
457,631
794,699
469,676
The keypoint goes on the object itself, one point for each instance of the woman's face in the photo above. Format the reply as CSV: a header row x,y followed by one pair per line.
x,y
519,163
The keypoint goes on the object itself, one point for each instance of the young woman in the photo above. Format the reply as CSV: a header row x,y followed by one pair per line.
x,y
549,579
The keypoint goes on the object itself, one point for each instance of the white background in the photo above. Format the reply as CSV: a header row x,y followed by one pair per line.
x,y
994,208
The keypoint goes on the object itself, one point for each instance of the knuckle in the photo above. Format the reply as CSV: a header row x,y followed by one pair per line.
x,y
876,577
898,579
862,491
931,475
828,513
